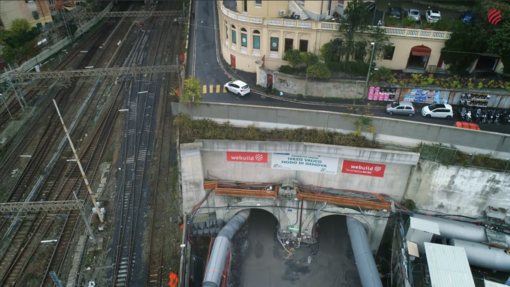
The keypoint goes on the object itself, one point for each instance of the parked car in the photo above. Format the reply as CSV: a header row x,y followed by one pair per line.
x,y
238,88
401,108
433,16
444,111
414,13
395,12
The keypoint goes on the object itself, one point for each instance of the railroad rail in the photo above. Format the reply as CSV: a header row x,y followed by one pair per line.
x,y
98,72
40,206
116,14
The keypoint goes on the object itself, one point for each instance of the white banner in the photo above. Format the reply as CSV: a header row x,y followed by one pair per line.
x,y
319,164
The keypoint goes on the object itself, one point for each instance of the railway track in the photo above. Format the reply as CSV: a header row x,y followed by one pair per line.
x,y
134,193
39,227
156,275
14,106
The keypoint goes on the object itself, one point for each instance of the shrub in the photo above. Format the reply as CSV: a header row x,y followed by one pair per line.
x,y
294,57
408,22
286,69
190,129
390,21
353,68
309,58
318,70
444,24
382,74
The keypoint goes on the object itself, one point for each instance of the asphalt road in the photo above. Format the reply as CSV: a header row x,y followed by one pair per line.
x,y
212,77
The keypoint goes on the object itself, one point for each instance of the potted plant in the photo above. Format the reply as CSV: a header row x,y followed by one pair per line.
x,y
390,21
409,22
426,25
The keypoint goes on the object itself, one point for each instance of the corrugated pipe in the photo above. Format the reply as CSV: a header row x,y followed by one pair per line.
x,y
363,254
214,271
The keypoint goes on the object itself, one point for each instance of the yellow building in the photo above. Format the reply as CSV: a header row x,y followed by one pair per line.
x,y
34,11
254,31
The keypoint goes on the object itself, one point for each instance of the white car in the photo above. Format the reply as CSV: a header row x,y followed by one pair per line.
x,y
443,111
238,88
433,16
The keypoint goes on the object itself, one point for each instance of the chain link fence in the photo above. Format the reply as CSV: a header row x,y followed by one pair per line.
x,y
451,155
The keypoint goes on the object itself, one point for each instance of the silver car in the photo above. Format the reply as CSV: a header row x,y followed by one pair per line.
x,y
401,108
414,13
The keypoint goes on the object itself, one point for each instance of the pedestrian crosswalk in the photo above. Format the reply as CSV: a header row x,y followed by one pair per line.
x,y
213,89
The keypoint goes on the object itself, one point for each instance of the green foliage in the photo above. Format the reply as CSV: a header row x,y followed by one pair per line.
x,y
318,70
189,130
20,26
409,22
293,57
381,74
355,22
447,24
353,68
291,70
390,21
464,46
500,44
381,40
192,91
309,58
18,42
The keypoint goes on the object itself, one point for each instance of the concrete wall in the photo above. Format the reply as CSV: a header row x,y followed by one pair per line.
x,y
457,190
398,165
389,130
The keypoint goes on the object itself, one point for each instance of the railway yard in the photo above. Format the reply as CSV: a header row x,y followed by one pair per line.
x,y
122,130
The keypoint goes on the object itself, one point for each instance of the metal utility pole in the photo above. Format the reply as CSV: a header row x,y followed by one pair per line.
x,y
82,212
68,29
10,83
6,107
79,165
55,279
369,70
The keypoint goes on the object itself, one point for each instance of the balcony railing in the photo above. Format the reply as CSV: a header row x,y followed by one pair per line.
x,y
315,25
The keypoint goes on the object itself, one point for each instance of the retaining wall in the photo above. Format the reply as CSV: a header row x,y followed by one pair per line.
x,y
393,131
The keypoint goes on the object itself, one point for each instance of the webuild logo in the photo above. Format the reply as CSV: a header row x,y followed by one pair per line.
x,y
247,156
494,16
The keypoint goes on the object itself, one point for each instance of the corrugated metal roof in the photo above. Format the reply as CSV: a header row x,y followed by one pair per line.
x,y
493,284
448,266
425,225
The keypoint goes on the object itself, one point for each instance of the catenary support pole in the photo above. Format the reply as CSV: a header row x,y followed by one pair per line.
x,y
365,92
79,165
6,107
83,215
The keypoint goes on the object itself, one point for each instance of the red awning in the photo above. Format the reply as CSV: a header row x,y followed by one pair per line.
x,y
421,51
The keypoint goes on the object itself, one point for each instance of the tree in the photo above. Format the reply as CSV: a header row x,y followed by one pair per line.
x,y
464,46
318,70
20,26
192,92
293,57
500,44
355,22
309,58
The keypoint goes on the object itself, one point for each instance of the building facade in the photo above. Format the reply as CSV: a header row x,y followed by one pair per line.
x,y
36,12
251,31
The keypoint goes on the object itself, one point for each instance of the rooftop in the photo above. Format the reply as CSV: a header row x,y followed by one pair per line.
x,y
448,266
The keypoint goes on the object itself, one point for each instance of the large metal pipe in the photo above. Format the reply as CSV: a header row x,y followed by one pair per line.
x,y
214,271
459,230
482,256
363,254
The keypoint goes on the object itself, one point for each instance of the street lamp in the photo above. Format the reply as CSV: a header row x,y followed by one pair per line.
x,y
369,69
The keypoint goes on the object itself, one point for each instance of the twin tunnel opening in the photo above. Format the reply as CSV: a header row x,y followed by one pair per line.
x,y
254,253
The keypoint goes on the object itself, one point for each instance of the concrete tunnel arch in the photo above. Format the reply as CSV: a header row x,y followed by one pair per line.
x,y
358,233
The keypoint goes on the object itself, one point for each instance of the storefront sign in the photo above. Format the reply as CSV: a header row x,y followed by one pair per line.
x,y
247,156
287,161
363,168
